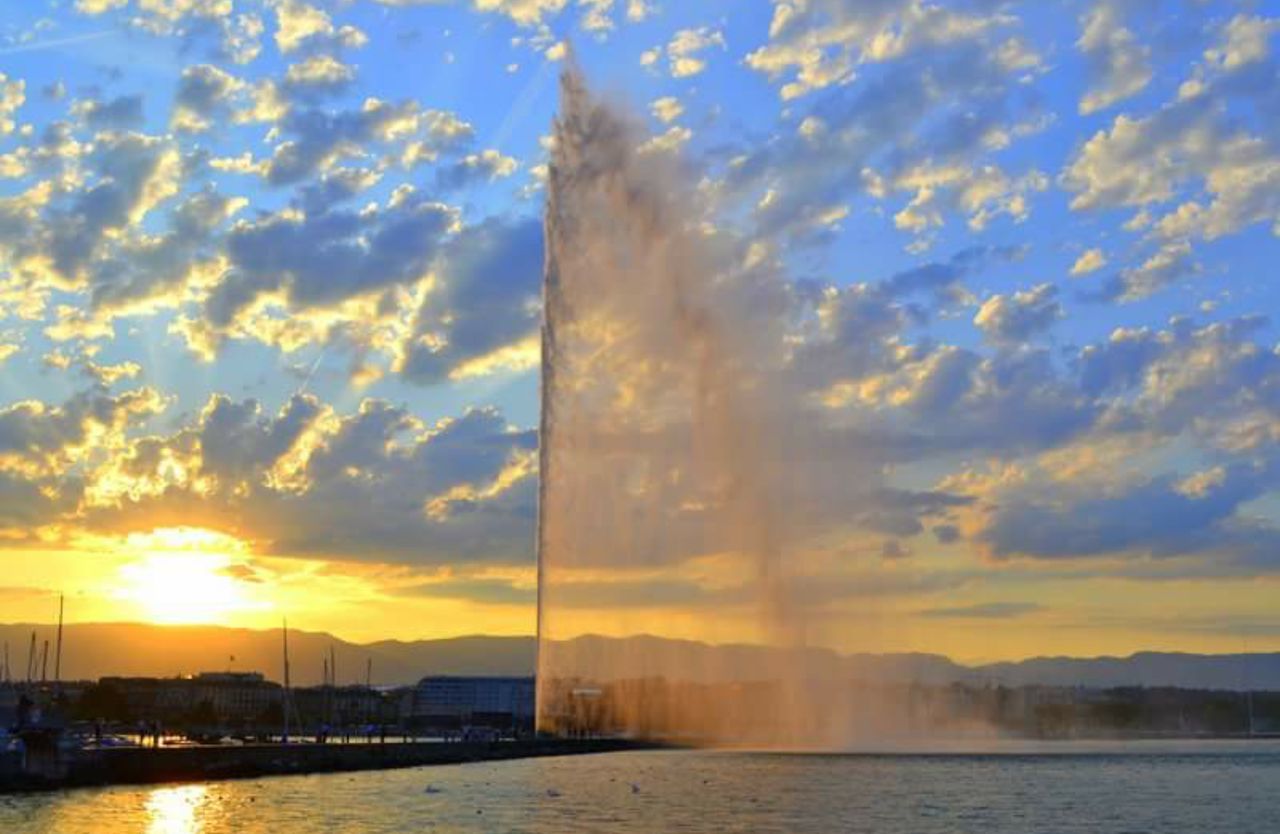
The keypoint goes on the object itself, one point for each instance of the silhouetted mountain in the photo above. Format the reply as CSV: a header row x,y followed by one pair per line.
x,y
91,650
1190,671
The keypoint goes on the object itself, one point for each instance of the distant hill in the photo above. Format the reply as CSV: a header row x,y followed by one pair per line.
x,y
91,650
1190,671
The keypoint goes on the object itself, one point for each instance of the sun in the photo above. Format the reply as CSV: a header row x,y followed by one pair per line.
x,y
185,576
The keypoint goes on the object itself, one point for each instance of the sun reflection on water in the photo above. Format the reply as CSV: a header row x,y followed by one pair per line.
x,y
176,810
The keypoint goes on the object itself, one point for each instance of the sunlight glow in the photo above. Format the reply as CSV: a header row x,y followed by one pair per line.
x,y
176,810
185,576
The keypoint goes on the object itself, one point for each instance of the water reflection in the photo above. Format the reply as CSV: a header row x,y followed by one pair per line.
x,y
1187,787
177,810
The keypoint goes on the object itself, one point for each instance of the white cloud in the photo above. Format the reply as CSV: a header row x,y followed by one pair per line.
x,y
1171,262
639,10
12,95
1015,318
820,43
666,109
683,52
1091,260
319,72
296,21
523,12
1120,65
597,18
99,6
1244,40
671,141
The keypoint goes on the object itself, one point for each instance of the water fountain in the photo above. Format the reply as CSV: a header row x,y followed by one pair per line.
x,y
683,467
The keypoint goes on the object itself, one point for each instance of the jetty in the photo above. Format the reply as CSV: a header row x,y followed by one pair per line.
x,y
54,769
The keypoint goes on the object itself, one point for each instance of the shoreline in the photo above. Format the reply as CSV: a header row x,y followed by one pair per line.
x,y
141,766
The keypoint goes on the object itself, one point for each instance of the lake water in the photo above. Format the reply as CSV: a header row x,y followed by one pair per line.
x,y
1164,788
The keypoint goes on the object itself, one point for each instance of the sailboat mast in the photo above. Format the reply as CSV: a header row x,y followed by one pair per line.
x,y
44,663
285,737
57,655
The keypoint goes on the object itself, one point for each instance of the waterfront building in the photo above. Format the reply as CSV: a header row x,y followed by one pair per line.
x,y
212,697
234,696
450,702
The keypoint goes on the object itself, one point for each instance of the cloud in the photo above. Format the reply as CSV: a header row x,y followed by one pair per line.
x,y
39,440
1244,40
276,215
1211,379
119,112
485,304
1164,516
925,128
1016,318
318,75
671,142
819,44
474,169
299,24
375,485
1091,260
12,96
984,611
683,50
133,173
1191,158
862,324
1169,264
486,591
237,443
1118,63
597,19
320,138
666,109
99,6
165,269
204,92
316,260
527,13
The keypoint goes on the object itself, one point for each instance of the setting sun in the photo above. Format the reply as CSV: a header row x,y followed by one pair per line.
x,y
185,575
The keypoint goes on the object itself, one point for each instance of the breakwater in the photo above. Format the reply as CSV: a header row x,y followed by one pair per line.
x,y
137,765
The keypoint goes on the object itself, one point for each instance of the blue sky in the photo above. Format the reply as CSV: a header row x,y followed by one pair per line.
x,y
269,272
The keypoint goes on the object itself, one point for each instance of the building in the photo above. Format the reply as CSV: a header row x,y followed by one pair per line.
x,y
447,702
342,706
232,698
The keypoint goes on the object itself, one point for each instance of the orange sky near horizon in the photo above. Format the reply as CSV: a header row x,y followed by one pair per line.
x,y
188,576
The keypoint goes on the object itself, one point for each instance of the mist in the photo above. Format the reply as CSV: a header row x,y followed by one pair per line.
x,y
680,449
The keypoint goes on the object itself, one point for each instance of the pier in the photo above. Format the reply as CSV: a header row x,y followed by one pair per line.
x,y
145,765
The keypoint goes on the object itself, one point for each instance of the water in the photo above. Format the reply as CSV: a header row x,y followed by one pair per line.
x,y
1162,788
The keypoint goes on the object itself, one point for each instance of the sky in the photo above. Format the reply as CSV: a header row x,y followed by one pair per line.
x,y
269,304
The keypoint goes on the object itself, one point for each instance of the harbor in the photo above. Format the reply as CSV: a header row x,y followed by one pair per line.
x,y
57,733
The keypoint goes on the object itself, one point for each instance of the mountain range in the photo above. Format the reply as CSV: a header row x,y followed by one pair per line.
x,y
92,650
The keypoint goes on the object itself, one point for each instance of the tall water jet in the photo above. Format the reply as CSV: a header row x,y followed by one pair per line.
x,y
683,466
